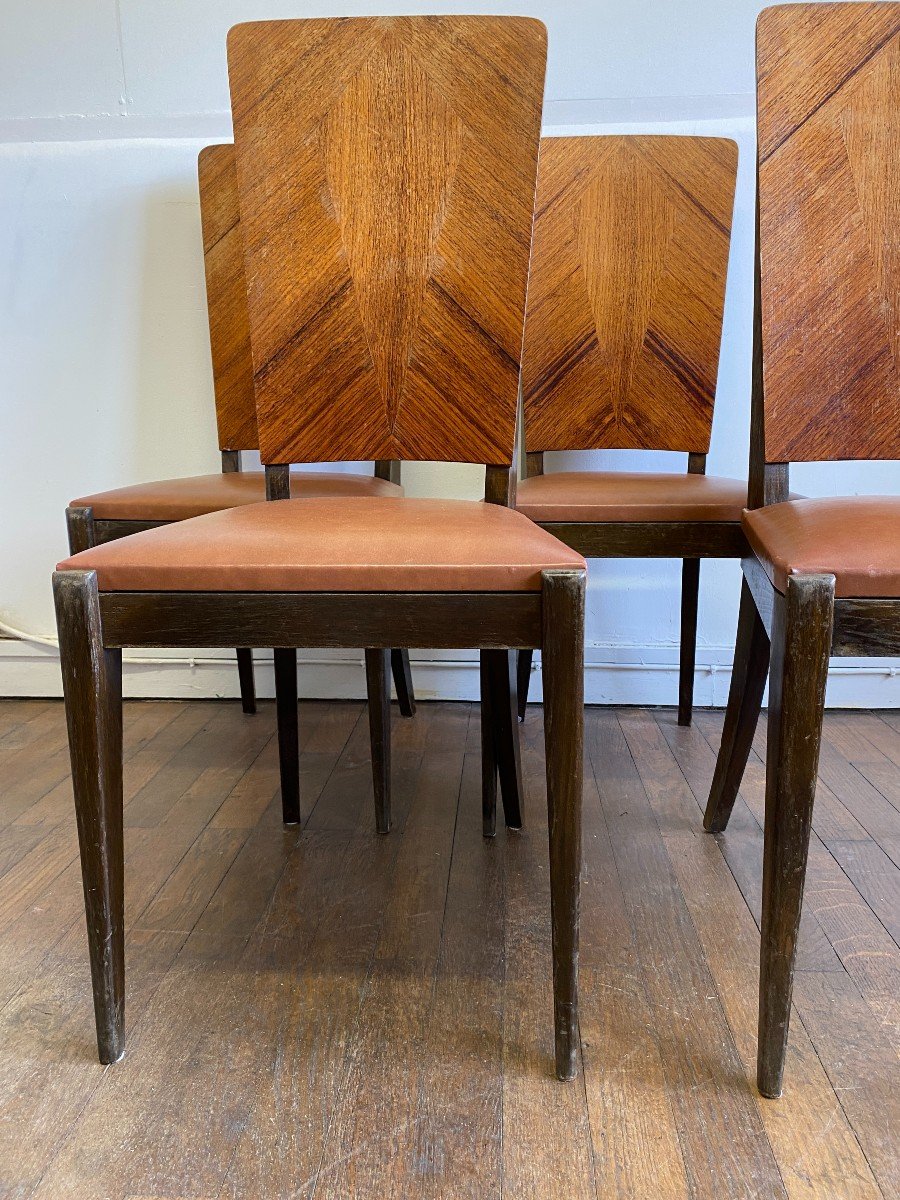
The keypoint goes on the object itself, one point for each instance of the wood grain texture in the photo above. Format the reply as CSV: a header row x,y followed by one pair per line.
x,y
627,291
226,299
411,1057
829,180
386,172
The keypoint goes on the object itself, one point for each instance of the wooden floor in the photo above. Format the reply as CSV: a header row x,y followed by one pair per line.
x,y
335,1014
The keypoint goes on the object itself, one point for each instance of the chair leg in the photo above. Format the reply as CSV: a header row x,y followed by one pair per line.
x,y
92,683
502,672
245,676
403,684
802,628
523,679
488,750
690,591
378,683
562,659
748,682
288,733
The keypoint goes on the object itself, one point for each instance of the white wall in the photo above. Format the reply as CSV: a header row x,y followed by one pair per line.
x,y
104,366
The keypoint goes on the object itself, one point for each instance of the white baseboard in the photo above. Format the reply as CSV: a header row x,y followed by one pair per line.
x,y
613,675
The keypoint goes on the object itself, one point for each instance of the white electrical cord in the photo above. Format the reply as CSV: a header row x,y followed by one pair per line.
x,y
709,668
21,636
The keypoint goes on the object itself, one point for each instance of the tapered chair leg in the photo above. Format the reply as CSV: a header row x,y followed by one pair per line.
x,y
246,680
690,592
288,733
802,628
378,683
488,749
403,684
502,673
748,682
562,664
92,684
523,679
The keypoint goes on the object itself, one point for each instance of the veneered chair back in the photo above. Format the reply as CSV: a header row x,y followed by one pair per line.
x,y
829,216
226,299
386,172
627,291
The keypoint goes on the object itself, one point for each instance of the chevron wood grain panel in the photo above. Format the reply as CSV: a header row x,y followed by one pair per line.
x,y
829,179
386,171
226,299
627,291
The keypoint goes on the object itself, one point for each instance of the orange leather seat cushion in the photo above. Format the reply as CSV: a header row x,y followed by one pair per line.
x,y
324,545
178,499
854,538
630,496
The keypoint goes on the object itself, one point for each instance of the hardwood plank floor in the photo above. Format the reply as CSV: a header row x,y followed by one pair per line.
x,y
328,1013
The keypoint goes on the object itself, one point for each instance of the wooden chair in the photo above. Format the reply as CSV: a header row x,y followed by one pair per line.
x,y
622,340
105,516
386,171
822,576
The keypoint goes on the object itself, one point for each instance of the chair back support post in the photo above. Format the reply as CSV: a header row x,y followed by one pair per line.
x,y
278,481
387,468
696,464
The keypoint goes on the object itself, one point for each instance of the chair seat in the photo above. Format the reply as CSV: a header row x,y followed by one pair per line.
x,y
599,496
342,545
196,495
854,538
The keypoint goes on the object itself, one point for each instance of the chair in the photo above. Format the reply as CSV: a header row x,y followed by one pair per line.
x,y
102,517
822,576
621,351
386,171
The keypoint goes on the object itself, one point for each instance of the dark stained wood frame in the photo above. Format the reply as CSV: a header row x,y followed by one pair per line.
x,y
788,637
94,626
688,540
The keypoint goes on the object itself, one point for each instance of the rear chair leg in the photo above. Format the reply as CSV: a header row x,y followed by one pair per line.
x,y
690,592
523,679
288,733
92,684
378,683
502,672
748,682
802,627
488,750
562,664
403,683
247,683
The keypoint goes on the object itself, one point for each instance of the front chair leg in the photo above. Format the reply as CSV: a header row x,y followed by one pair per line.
x,y
246,680
403,684
802,627
523,679
92,685
378,683
748,682
562,666
690,593
288,733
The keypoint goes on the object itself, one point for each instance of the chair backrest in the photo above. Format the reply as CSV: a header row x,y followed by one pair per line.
x,y
829,230
627,291
386,171
226,300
